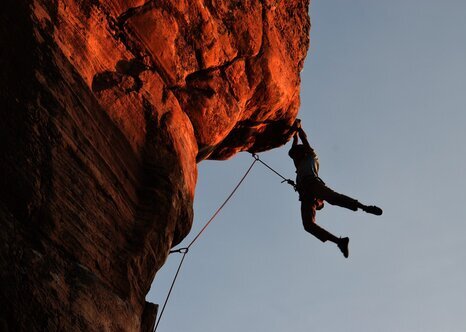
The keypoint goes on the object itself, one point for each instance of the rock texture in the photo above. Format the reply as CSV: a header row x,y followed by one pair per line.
x,y
107,106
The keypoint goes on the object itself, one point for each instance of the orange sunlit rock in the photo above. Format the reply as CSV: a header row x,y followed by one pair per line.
x,y
108,107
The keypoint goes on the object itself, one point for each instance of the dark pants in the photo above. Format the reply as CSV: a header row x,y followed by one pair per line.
x,y
311,193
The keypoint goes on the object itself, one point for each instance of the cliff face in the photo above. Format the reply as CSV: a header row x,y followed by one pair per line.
x,y
107,106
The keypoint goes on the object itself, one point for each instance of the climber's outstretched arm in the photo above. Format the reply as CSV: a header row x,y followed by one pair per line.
x,y
295,128
295,139
303,137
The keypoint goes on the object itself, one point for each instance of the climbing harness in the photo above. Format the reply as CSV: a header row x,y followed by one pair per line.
x,y
185,250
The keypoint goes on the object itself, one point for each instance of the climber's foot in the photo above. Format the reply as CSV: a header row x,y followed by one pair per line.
x,y
372,209
343,246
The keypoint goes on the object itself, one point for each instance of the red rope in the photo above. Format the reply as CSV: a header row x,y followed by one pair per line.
x,y
185,250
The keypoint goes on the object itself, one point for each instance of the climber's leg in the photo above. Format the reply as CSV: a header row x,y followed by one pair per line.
x,y
322,191
334,198
308,214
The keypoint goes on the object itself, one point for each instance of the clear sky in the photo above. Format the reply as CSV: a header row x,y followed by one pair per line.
x,y
384,105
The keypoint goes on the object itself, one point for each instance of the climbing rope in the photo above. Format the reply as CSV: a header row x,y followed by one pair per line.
x,y
185,250
289,181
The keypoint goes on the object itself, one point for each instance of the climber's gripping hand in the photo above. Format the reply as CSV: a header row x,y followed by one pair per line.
x,y
297,125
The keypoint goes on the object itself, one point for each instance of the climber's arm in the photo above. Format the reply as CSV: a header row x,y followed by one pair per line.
x,y
295,139
296,128
303,137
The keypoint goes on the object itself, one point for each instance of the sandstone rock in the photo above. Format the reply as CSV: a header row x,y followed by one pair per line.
x,y
107,106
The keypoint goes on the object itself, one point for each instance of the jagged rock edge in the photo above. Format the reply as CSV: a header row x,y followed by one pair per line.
x,y
117,26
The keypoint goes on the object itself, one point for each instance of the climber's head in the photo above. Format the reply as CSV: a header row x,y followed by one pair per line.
x,y
297,152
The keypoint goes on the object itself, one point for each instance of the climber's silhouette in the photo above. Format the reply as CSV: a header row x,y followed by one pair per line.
x,y
313,191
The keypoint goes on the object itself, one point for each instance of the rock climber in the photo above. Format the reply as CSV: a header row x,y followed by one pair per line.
x,y
313,191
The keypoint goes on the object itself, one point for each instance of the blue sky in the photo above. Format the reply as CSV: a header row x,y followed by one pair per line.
x,y
384,104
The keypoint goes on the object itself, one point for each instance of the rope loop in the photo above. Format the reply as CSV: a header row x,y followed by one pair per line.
x,y
181,250
290,182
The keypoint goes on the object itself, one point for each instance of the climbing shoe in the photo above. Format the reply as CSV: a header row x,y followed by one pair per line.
x,y
343,246
372,209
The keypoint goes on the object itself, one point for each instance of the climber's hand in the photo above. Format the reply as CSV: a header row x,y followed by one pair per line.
x,y
297,124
